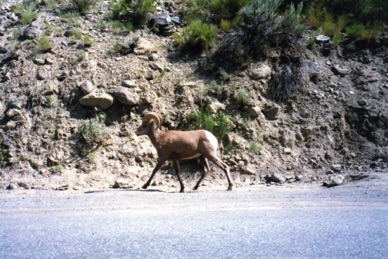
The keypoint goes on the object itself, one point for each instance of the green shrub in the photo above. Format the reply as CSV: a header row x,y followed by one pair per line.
x,y
197,37
227,8
93,132
254,148
28,16
218,124
136,10
243,96
291,22
83,6
355,30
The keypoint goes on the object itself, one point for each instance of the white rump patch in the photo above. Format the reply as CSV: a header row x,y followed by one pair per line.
x,y
213,140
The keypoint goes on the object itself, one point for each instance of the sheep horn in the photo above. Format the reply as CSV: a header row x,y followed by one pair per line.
x,y
154,116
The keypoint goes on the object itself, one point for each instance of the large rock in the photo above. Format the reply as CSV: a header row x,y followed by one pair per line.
x,y
124,96
31,32
334,181
143,46
263,71
96,99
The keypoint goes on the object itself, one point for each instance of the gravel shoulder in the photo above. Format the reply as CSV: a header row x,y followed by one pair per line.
x,y
372,191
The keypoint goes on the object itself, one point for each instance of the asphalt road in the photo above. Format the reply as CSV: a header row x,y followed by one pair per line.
x,y
296,221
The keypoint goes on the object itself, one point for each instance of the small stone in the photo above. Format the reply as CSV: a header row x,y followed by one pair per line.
x,y
336,168
94,99
322,38
340,70
153,57
271,112
254,111
87,87
42,73
279,178
120,183
49,60
287,151
13,113
39,61
124,96
148,75
334,181
129,83
216,106
156,66
12,186
143,46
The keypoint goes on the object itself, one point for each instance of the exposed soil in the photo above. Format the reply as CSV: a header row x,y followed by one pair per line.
x,y
336,125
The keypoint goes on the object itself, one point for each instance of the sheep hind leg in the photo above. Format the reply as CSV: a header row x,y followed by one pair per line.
x,y
224,168
206,169
177,171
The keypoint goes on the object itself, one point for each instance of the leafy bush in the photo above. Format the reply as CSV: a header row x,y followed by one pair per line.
x,y
137,10
218,124
83,6
262,27
93,132
196,37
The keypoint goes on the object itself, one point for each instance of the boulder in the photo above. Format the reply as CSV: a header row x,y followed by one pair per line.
x,y
95,99
124,96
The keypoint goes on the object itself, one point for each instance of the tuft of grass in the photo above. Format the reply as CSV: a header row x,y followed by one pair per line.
x,y
254,148
243,96
44,44
28,16
218,124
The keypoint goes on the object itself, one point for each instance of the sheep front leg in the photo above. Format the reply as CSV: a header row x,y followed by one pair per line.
x,y
177,171
157,167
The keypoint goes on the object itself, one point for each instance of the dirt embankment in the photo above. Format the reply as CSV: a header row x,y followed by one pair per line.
x,y
94,76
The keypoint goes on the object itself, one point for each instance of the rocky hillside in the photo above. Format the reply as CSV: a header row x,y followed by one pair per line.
x,y
73,91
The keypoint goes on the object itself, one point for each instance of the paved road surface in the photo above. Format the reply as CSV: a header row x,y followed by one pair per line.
x,y
303,221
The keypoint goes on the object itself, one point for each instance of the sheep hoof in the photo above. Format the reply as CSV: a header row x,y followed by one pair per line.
x,y
195,188
144,186
182,191
230,188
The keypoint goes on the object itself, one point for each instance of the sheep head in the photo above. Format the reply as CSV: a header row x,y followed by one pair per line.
x,y
151,122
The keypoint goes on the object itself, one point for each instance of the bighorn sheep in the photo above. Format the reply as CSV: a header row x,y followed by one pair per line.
x,y
181,145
